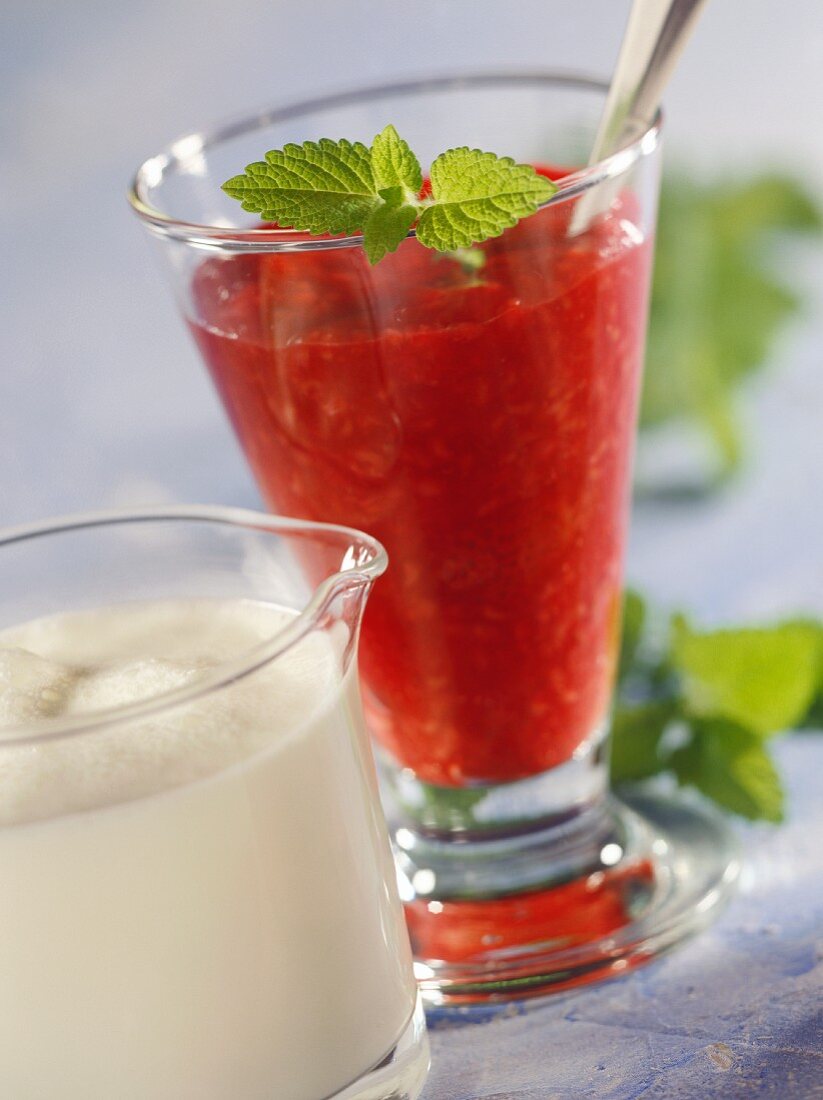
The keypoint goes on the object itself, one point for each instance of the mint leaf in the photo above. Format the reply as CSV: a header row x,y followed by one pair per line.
x,y
395,166
636,735
476,196
718,303
385,228
773,202
323,187
762,678
731,766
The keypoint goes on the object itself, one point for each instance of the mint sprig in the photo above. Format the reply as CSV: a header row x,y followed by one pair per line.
x,y
333,187
703,705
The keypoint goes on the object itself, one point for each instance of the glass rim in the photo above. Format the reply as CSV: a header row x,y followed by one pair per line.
x,y
226,672
226,238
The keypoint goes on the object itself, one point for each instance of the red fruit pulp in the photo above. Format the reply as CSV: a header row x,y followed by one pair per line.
x,y
481,427
571,915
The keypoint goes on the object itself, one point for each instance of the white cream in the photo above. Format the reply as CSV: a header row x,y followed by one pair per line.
x,y
199,904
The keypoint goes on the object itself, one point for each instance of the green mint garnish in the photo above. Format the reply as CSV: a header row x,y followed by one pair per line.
x,y
703,705
344,187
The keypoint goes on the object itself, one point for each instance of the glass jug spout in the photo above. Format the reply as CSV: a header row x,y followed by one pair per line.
x,y
334,568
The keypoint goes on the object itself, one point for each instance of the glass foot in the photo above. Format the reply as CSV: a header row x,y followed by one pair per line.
x,y
402,1073
662,870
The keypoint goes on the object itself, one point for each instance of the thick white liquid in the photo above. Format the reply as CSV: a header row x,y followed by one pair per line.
x,y
200,904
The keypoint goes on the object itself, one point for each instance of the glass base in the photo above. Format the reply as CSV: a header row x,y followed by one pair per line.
x,y
402,1073
632,880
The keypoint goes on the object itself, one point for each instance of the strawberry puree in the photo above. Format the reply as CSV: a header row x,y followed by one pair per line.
x,y
481,427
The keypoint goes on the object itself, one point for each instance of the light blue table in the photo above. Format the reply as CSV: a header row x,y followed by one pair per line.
x,y
103,402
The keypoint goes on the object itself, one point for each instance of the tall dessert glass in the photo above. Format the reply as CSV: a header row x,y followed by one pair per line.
x,y
476,412
199,897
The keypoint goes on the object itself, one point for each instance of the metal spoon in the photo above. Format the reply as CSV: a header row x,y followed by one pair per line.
x,y
655,35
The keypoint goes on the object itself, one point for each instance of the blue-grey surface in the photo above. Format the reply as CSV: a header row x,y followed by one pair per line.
x,y
102,401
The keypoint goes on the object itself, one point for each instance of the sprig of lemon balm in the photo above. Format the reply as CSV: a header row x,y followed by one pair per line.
x,y
346,187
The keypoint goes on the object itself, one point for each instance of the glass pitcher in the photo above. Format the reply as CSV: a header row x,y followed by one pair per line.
x,y
199,897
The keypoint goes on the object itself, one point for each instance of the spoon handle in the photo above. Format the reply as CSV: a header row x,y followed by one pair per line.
x,y
655,36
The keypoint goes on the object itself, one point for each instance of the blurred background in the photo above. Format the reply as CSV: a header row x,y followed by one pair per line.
x,y
104,403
